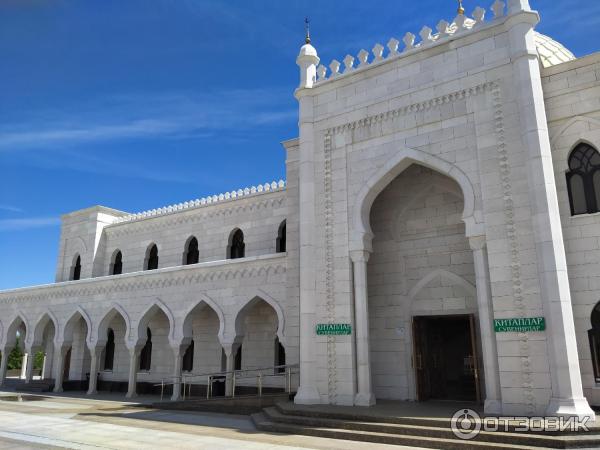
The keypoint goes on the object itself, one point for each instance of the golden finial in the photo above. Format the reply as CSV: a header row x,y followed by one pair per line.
x,y
307,29
461,10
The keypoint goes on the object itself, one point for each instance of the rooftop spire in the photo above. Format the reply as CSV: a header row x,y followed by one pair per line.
x,y
307,29
461,9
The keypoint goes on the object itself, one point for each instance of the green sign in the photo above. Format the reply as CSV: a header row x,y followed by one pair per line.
x,y
519,325
334,329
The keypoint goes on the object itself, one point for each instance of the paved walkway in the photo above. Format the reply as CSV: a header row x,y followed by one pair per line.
x,y
48,422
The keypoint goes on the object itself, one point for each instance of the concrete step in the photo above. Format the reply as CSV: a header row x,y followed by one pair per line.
x,y
435,433
229,405
262,422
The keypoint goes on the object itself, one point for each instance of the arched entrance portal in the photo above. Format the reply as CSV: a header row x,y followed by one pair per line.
x,y
421,280
422,300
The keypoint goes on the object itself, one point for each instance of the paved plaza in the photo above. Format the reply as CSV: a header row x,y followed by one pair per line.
x,y
48,422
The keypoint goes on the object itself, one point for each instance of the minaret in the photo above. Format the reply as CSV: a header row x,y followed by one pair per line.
x,y
307,60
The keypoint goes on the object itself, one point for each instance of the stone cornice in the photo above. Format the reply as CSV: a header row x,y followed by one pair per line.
x,y
153,279
411,108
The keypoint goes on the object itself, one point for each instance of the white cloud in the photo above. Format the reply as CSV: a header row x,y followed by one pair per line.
x,y
24,224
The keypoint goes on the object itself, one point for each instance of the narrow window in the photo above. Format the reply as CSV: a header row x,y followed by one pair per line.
x,y
152,257
594,337
188,358
583,180
238,359
191,255
117,264
279,356
76,270
237,246
281,238
146,353
109,350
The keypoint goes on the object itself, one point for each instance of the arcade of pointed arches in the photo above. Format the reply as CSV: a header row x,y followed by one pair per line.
x,y
200,342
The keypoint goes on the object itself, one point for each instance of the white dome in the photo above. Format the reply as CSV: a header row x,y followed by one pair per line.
x,y
551,52
307,50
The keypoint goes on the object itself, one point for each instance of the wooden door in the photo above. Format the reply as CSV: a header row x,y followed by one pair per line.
x,y
419,329
474,357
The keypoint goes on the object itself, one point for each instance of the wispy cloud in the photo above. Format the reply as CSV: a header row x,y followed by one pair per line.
x,y
141,116
25,224
10,208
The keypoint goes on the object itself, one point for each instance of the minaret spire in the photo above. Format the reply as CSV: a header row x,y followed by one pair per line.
x,y
461,9
307,30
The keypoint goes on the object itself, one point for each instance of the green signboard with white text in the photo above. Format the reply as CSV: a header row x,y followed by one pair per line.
x,y
519,325
337,329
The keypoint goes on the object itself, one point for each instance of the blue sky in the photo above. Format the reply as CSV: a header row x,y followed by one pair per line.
x,y
137,104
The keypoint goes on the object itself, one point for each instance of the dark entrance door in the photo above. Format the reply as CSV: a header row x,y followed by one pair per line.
x,y
445,358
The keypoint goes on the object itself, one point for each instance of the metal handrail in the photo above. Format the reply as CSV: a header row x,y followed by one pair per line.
x,y
235,375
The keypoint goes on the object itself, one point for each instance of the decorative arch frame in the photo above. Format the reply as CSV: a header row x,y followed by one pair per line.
x,y
77,314
562,153
258,295
206,300
470,288
147,254
362,233
13,326
230,241
99,335
145,317
40,325
113,257
186,248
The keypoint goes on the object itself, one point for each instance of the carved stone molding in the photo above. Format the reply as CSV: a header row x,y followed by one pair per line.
x,y
145,281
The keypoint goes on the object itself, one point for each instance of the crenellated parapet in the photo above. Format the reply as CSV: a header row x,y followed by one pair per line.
x,y
205,201
427,37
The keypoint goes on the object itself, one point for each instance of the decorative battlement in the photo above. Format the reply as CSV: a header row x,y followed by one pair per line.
x,y
210,200
461,24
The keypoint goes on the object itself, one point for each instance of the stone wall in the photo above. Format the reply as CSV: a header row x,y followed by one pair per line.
x,y
572,96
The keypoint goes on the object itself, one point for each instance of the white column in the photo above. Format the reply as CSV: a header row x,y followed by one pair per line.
x,y
59,365
493,395
95,352
178,352
364,396
567,391
230,351
134,354
29,360
24,366
4,364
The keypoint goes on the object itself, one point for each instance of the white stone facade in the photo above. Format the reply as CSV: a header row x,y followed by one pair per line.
x,y
428,179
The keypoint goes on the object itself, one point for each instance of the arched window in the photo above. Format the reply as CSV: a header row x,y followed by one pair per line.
x,y
76,269
152,258
279,356
116,267
188,358
191,255
146,353
109,350
594,336
583,180
281,236
238,359
236,245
